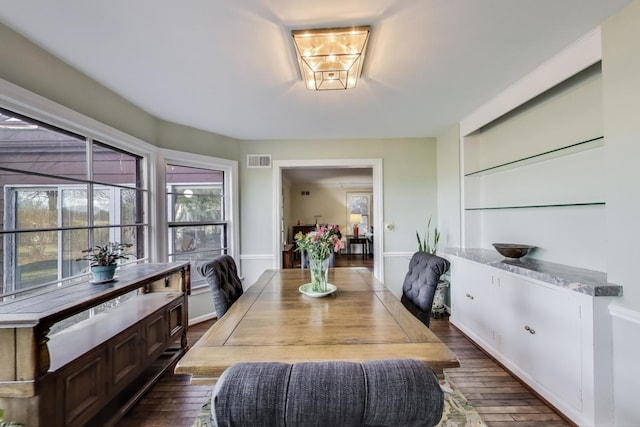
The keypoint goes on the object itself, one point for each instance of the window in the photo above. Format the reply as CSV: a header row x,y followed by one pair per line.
x,y
197,214
359,203
61,193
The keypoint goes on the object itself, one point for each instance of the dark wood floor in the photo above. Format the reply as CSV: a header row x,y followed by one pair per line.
x,y
356,260
500,399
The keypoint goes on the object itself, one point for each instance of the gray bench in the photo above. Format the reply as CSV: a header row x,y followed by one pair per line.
x,y
397,392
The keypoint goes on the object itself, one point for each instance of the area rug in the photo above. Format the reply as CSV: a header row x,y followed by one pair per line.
x,y
457,412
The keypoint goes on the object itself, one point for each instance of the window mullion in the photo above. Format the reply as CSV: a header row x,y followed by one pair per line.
x,y
90,215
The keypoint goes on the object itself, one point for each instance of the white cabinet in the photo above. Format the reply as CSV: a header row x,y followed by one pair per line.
x,y
539,332
472,297
554,338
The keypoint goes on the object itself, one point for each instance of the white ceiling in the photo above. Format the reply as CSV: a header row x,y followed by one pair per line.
x,y
229,67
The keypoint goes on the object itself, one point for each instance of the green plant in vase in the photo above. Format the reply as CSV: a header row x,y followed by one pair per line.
x,y
103,259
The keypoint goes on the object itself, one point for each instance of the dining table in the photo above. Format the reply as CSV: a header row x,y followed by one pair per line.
x,y
273,321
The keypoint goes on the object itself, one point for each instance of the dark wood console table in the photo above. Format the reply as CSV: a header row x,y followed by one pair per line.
x,y
360,240
76,353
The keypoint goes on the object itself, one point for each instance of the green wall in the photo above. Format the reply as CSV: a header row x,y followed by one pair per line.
x,y
177,137
409,193
448,161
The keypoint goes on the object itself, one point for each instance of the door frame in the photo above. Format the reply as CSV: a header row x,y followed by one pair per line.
x,y
377,205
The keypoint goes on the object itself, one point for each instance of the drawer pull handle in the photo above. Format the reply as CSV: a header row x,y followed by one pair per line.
x,y
530,329
469,296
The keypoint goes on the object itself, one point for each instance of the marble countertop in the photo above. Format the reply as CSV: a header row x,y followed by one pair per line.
x,y
580,280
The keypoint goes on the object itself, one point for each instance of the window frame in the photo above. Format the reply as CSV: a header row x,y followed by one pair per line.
x,y
230,193
11,191
369,196
24,102
59,118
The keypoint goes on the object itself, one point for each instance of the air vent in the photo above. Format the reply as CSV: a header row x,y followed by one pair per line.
x,y
258,160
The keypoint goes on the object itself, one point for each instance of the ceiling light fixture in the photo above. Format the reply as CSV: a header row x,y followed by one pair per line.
x,y
331,58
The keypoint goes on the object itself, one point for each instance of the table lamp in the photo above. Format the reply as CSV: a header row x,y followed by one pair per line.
x,y
355,219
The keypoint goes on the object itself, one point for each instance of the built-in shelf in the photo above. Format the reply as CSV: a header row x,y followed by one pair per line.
x,y
547,155
559,205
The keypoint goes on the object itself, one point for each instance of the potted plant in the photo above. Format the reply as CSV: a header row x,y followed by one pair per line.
x,y
103,260
439,298
423,244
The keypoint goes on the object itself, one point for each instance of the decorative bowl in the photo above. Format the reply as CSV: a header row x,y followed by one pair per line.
x,y
512,250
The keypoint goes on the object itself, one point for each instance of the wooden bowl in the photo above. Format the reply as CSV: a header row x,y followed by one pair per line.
x,y
512,250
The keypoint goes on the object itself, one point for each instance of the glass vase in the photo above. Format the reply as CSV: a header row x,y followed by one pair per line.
x,y
319,268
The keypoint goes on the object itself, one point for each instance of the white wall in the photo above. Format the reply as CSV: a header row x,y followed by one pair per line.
x,y
621,89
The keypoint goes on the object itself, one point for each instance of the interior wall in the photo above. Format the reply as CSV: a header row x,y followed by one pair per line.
x,y
410,195
183,138
329,201
448,163
30,67
555,202
621,88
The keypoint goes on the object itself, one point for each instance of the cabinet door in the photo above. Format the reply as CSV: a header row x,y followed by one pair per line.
x,y
177,320
540,332
155,334
81,388
126,358
473,299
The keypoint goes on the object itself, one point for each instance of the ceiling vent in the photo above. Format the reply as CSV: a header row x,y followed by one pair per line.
x,y
258,160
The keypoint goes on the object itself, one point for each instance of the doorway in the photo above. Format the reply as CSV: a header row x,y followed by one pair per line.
x,y
281,234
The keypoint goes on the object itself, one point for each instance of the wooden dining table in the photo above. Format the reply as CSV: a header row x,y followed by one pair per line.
x,y
274,321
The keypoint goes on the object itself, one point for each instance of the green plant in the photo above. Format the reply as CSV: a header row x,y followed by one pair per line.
x,y
105,255
423,244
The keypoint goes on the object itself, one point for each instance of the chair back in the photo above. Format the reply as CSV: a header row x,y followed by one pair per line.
x,y
222,275
420,284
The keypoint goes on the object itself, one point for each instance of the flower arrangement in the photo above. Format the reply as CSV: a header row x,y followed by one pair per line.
x,y
109,254
321,242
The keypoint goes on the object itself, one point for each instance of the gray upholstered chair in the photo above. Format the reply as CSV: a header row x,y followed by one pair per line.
x,y
421,282
222,275
394,392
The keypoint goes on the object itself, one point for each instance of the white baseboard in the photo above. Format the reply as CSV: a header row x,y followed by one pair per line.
x,y
202,318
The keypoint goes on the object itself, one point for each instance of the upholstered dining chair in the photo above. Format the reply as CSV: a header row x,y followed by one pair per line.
x,y
420,284
392,392
222,275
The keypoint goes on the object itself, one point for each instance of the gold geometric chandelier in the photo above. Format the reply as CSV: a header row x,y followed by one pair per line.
x,y
331,58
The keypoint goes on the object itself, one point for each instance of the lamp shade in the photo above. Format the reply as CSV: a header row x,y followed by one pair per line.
x,y
331,58
355,218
